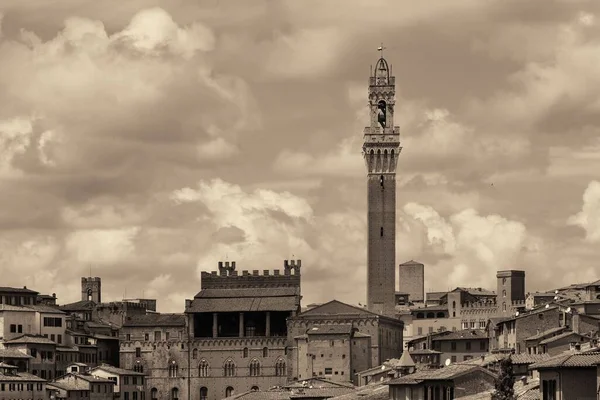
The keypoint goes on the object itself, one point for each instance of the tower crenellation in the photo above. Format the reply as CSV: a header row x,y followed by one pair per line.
x,y
227,277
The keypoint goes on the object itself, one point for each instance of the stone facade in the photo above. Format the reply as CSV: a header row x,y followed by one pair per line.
x,y
231,339
381,149
411,278
385,338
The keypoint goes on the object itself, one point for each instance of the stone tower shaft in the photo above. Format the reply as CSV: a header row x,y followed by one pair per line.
x,y
381,149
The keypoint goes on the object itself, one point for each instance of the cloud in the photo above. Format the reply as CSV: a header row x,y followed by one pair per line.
x,y
15,136
470,247
102,246
589,217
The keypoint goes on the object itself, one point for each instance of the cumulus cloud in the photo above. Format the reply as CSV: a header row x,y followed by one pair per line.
x,y
589,217
471,247
115,126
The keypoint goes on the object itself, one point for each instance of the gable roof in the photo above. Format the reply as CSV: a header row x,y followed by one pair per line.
x,y
82,305
450,372
337,307
463,335
561,336
116,371
546,333
27,338
577,360
411,262
341,329
24,290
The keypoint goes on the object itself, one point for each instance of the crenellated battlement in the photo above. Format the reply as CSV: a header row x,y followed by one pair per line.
x,y
228,277
491,303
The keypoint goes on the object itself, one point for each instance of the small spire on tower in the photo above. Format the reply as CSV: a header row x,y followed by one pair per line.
x,y
380,49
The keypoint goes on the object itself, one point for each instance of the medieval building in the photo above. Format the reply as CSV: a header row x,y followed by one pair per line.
x,y
231,339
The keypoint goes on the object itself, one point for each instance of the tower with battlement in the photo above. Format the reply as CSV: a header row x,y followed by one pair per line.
x,y
381,149
91,289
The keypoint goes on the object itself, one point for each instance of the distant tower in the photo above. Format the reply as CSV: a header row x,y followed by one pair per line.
x,y
411,276
381,149
91,289
511,287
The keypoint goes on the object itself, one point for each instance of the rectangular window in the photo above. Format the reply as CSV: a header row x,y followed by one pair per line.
x,y
138,351
482,345
52,337
166,335
126,395
419,331
146,337
453,359
125,380
468,344
157,336
328,371
453,346
13,328
59,339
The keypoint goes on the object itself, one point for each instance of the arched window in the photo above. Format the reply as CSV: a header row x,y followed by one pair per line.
x,y
203,393
285,350
280,368
203,369
454,304
503,306
173,369
138,368
420,315
265,352
174,394
229,391
153,394
504,293
195,354
430,315
254,389
254,368
229,368
440,315
245,355
89,294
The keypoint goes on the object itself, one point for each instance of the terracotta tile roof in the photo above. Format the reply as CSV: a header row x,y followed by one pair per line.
x,y
7,289
318,382
446,373
66,349
376,391
37,339
477,291
22,377
240,305
93,378
547,333
83,305
117,371
71,385
336,307
43,308
561,336
524,358
343,329
8,307
462,335
577,360
156,320
535,311
262,395
311,393
12,353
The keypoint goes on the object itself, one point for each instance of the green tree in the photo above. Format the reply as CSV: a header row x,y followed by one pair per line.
x,y
505,382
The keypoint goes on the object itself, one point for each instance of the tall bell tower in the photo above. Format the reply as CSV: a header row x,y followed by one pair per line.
x,y
381,149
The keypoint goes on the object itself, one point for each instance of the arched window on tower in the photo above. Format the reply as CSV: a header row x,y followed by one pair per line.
x,y
254,368
245,352
154,394
381,113
265,352
195,354
229,391
89,294
174,394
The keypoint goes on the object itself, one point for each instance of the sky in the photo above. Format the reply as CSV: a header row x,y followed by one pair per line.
x,y
144,141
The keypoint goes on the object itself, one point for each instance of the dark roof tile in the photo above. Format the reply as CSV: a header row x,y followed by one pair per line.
x,y
156,320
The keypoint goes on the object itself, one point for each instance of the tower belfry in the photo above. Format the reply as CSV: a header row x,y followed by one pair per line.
x,y
381,149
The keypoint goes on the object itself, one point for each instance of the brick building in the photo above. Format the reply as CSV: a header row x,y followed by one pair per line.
x,y
16,385
512,333
461,345
384,333
411,278
232,338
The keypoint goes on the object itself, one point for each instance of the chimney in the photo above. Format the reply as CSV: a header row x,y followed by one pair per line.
x,y
24,287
